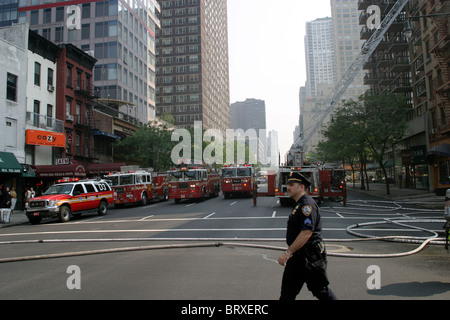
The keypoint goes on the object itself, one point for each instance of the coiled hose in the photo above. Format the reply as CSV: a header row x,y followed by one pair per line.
x,y
228,242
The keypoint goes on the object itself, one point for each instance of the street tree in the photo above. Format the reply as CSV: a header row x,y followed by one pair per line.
x,y
150,146
386,123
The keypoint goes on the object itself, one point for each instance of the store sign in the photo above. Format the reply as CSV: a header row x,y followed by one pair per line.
x,y
419,155
46,138
61,161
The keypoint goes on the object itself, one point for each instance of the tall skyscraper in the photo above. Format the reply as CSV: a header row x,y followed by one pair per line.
x,y
320,61
348,45
193,68
248,114
120,34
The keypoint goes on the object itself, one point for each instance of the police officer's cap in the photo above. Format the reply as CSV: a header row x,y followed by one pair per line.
x,y
298,177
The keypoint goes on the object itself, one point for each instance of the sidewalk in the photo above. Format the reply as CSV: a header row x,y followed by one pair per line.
x,y
17,218
424,198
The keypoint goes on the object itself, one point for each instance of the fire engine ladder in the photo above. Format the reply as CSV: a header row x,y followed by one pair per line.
x,y
339,89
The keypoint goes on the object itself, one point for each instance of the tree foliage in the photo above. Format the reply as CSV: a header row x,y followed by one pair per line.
x,y
150,147
369,127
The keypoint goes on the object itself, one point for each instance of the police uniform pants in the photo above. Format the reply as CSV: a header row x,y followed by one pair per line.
x,y
296,274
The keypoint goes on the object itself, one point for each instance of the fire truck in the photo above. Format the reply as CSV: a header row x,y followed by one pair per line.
x,y
324,183
237,179
192,183
333,185
138,187
310,172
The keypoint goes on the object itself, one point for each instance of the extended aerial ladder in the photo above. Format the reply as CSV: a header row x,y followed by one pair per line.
x,y
300,145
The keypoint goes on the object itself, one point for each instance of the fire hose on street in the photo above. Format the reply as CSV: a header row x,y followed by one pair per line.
x,y
432,239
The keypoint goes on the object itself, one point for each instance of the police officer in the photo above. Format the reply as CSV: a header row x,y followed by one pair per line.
x,y
305,257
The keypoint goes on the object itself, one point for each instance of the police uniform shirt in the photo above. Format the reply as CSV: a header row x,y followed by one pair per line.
x,y
304,216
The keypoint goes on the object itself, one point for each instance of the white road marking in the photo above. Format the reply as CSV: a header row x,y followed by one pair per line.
x,y
209,215
191,230
143,219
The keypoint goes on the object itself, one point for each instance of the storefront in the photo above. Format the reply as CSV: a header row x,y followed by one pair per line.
x,y
47,175
439,158
415,173
13,175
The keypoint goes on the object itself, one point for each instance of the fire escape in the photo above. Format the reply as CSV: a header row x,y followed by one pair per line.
x,y
440,49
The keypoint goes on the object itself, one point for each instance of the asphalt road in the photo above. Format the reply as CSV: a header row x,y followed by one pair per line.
x,y
219,250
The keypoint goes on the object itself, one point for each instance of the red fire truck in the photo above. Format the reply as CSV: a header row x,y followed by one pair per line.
x,y
310,172
333,185
237,179
324,183
192,183
138,187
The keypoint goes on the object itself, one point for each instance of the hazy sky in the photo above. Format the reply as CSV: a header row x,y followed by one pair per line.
x,y
267,56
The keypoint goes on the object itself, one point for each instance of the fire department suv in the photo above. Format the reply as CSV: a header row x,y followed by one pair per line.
x,y
68,198
192,183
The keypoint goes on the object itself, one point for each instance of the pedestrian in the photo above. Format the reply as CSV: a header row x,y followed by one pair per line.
x,y
32,193
305,258
13,199
1,196
6,211
6,198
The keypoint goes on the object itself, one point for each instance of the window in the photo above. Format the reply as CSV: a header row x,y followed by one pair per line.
x,y
11,133
78,145
59,31
68,107
69,76
49,115
37,74
59,14
86,11
89,187
72,35
78,84
47,15
50,77
78,190
11,87
36,110
34,19
86,31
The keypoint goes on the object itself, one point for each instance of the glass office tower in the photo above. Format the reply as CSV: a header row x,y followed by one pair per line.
x,y
120,34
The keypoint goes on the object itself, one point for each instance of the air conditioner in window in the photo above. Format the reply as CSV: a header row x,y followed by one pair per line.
x,y
70,117
50,88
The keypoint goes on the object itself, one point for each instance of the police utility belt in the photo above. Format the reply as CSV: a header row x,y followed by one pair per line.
x,y
314,254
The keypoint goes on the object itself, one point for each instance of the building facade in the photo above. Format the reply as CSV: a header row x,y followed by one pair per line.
x,y
41,101
192,63
13,83
345,17
74,98
120,34
429,47
248,114
412,60
320,54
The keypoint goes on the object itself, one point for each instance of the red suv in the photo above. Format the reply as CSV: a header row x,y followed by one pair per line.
x,y
69,198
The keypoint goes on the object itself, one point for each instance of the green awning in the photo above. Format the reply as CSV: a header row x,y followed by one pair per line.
x,y
9,163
